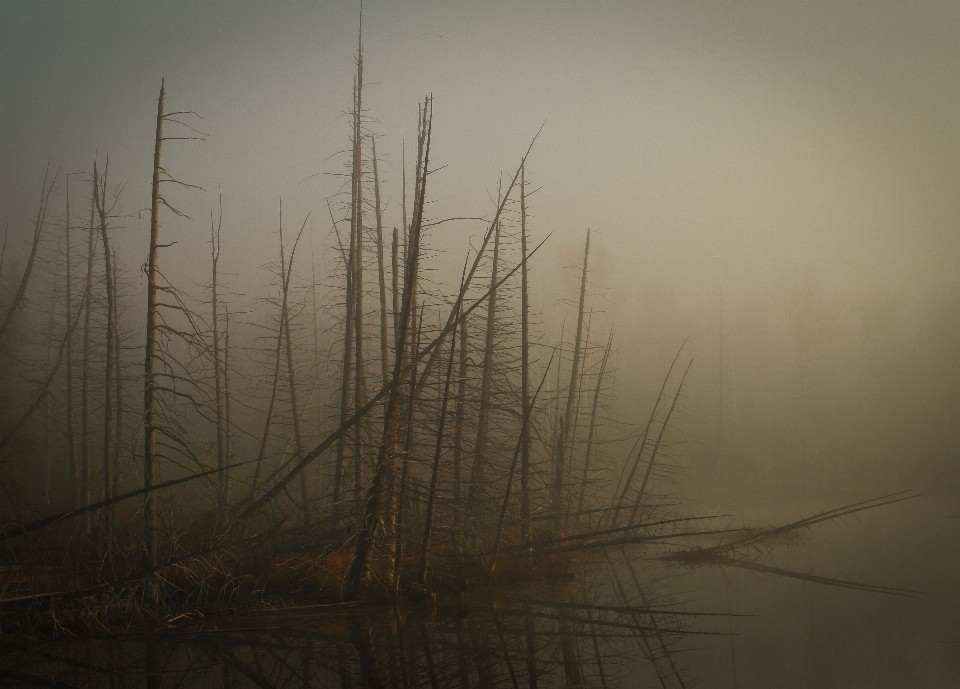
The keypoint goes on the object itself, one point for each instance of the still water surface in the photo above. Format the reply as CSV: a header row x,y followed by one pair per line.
x,y
627,619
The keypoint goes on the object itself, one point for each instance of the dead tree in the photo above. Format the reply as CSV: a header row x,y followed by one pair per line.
x,y
593,424
386,450
571,394
356,232
524,365
291,372
45,191
103,212
71,425
84,497
217,369
435,474
380,259
477,473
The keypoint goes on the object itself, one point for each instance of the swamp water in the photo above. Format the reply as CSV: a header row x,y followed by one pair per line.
x,y
625,619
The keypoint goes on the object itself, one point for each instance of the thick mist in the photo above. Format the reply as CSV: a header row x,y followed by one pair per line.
x,y
771,196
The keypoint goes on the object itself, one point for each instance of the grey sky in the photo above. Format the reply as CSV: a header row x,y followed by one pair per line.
x,y
754,130
716,147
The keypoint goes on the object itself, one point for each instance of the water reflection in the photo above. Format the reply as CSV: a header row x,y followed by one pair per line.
x,y
624,617
576,632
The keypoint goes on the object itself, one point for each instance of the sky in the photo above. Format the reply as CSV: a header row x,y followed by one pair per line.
x,y
722,152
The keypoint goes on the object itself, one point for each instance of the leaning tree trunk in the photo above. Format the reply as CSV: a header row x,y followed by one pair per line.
x,y
387,451
593,424
571,394
477,474
150,357
380,266
45,192
524,366
292,383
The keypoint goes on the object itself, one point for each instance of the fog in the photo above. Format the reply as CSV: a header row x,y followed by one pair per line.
x,y
771,190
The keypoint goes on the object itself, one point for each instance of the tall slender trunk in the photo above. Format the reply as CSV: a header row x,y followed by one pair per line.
x,y
47,440
292,376
458,430
226,399
45,192
395,276
380,266
346,376
118,380
572,390
387,450
513,467
435,474
477,473
71,425
108,419
524,365
264,439
403,167
217,371
571,444
84,497
357,230
150,356
406,452
593,424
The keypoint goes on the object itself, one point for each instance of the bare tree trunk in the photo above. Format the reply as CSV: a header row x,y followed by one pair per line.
x,y
524,365
346,378
262,454
461,413
47,440
432,493
118,380
406,452
477,473
291,374
395,265
383,280
102,212
356,228
226,395
71,426
386,452
217,377
513,467
656,448
45,192
150,355
84,497
571,444
593,423
572,390
283,333
406,226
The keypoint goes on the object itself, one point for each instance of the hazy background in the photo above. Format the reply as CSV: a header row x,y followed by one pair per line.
x,y
776,182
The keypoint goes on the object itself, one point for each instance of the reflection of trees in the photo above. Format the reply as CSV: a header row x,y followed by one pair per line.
x,y
573,633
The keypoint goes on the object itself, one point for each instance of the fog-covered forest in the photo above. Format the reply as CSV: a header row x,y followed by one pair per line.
x,y
302,307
